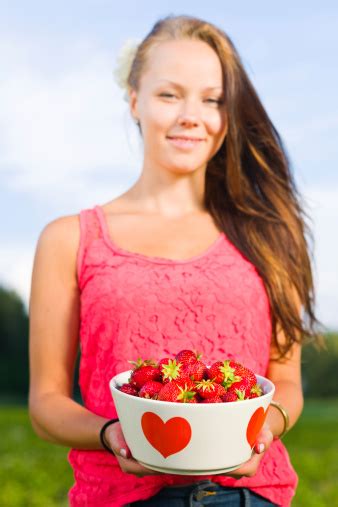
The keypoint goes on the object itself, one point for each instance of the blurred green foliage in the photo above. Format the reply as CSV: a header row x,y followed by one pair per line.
x,y
319,369
13,344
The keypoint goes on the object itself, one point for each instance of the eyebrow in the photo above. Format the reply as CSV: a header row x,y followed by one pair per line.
x,y
181,86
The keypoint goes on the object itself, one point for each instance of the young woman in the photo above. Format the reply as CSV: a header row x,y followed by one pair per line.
x,y
207,250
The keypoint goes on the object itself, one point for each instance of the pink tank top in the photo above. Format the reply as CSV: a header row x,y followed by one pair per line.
x,y
136,305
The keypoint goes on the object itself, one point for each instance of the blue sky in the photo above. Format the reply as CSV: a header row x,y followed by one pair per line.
x,y
67,141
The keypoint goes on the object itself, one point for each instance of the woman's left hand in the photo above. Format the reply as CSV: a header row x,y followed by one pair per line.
x,y
250,467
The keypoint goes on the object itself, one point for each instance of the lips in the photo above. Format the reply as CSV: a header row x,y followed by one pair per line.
x,y
184,143
185,138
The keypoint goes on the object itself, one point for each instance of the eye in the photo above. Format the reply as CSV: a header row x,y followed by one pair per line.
x,y
220,101
166,95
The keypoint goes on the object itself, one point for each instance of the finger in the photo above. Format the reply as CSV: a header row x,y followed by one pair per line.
x,y
116,441
132,466
263,441
247,469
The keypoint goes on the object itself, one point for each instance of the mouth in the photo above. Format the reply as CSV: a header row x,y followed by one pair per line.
x,y
185,142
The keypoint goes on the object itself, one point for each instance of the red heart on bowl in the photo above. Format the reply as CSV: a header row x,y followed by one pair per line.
x,y
169,437
255,424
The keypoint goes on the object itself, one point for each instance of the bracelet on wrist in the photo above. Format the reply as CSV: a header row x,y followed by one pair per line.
x,y
102,439
285,415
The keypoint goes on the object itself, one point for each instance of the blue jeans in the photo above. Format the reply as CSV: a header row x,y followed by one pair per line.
x,y
204,493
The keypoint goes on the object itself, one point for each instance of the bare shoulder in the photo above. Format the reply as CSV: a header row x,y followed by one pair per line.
x,y
59,240
63,232
64,227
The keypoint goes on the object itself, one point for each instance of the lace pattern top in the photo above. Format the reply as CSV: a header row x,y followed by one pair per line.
x,y
133,305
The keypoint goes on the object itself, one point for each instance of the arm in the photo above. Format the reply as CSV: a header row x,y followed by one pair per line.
x,y
53,341
287,379
286,375
54,313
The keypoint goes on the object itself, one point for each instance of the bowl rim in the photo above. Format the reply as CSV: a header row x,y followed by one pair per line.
x,y
112,385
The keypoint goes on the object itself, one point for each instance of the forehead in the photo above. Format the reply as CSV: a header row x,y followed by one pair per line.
x,y
179,61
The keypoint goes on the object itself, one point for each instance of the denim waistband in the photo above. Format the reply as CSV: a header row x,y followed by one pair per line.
x,y
198,491
206,488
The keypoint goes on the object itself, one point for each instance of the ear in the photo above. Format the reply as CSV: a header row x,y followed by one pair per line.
x,y
133,103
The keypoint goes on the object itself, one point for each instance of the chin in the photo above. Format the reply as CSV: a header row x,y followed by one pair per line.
x,y
184,170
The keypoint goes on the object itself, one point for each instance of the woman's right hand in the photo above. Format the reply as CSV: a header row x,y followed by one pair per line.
x,y
115,439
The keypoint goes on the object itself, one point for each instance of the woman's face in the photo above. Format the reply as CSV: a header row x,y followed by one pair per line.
x,y
181,94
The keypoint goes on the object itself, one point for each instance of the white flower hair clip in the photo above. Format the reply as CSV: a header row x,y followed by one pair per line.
x,y
124,60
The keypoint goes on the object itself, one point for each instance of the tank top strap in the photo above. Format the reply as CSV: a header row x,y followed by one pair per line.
x,y
90,231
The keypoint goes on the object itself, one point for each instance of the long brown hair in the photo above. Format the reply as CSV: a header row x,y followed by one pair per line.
x,y
249,188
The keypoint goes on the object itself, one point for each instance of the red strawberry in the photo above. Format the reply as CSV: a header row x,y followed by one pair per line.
x,y
243,371
142,374
221,371
174,392
196,370
150,389
187,357
128,389
172,370
187,383
244,385
256,391
213,399
140,362
219,390
165,360
206,388
230,396
244,380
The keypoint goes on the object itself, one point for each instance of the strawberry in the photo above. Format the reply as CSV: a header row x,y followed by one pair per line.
x,y
244,380
206,388
230,396
140,362
243,371
174,392
222,372
165,360
142,374
128,389
213,399
243,385
150,389
196,370
187,357
256,391
187,383
219,390
172,370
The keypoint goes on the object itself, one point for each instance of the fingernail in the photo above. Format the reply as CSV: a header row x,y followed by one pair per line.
x,y
123,453
260,447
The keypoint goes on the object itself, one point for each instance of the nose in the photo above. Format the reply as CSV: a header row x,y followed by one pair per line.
x,y
189,115
187,120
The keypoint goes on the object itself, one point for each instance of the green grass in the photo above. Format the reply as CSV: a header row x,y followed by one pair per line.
x,y
34,473
313,448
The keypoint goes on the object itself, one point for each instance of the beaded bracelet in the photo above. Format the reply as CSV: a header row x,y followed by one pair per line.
x,y
103,442
285,417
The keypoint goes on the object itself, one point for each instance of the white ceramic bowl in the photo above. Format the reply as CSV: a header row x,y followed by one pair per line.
x,y
190,439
